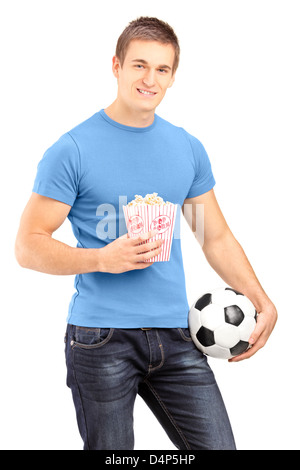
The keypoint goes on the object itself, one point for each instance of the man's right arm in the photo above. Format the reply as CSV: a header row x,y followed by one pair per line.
x,y
36,249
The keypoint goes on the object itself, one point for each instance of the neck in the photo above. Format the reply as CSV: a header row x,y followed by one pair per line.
x,y
128,116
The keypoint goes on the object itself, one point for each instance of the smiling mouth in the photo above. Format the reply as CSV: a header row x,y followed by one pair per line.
x,y
145,92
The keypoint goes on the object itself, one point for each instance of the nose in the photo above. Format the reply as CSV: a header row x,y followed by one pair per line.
x,y
149,79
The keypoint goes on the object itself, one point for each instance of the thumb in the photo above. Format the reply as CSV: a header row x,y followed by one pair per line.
x,y
257,332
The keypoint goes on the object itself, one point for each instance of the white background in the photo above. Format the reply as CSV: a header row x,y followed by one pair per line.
x,y
237,90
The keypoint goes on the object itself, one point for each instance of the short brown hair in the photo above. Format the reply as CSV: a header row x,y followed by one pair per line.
x,y
148,29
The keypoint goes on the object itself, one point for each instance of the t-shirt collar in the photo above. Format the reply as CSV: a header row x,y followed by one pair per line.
x,y
127,128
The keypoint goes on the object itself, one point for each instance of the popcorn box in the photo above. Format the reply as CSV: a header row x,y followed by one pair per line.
x,y
142,218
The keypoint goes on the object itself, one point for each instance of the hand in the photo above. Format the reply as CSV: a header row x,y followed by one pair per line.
x,y
266,320
125,253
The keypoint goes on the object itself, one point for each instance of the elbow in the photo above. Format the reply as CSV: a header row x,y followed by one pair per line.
x,y
20,253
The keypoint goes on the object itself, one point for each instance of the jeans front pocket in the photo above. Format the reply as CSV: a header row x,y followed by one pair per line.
x,y
91,338
185,334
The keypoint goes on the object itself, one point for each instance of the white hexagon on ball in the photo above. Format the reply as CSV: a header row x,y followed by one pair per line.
x,y
212,316
227,336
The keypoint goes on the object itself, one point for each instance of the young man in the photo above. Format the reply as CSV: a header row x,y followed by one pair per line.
x,y
127,327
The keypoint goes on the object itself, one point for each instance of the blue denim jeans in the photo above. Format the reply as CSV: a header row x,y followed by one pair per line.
x,y
107,368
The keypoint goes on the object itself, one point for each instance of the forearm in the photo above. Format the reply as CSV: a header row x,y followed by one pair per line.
x,y
228,259
45,254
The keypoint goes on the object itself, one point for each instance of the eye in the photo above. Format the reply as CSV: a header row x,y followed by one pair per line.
x,y
163,70
139,66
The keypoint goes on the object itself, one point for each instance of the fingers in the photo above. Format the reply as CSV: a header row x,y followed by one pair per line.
x,y
141,260
142,265
146,247
148,251
142,249
145,237
250,352
257,332
257,340
149,254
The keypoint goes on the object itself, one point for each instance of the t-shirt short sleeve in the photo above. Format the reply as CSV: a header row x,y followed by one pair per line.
x,y
204,179
58,171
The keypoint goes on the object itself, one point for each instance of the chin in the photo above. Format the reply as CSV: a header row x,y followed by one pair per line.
x,y
145,108
150,106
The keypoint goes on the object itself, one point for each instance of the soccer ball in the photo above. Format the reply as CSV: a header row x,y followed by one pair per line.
x,y
221,323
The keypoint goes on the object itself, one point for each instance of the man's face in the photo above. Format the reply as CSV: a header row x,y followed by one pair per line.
x,y
146,74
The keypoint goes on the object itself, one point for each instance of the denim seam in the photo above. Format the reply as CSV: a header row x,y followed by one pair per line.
x,y
81,402
165,409
162,353
150,368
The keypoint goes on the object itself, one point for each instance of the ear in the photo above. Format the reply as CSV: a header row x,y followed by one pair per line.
x,y
116,66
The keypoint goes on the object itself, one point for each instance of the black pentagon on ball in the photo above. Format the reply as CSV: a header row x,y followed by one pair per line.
x,y
233,290
205,336
203,301
239,348
233,315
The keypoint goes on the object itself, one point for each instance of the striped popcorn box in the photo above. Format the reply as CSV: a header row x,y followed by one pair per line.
x,y
142,218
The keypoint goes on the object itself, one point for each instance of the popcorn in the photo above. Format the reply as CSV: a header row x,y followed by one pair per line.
x,y
150,199
151,212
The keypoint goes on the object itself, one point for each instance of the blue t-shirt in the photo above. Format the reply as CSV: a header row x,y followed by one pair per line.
x,y
96,168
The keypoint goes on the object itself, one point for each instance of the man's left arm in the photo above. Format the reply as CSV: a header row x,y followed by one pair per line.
x,y
226,256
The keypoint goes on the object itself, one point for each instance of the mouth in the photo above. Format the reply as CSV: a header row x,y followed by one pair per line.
x,y
146,92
